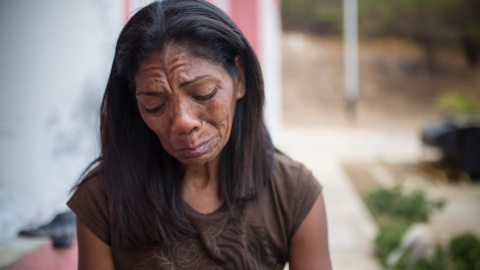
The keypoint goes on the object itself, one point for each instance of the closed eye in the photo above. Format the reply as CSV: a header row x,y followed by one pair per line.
x,y
206,97
154,110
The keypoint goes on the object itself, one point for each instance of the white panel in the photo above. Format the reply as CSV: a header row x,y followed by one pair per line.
x,y
270,52
350,22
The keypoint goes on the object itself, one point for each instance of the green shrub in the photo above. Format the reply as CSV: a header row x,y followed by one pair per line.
x,y
412,207
388,238
438,262
465,252
395,210
457,104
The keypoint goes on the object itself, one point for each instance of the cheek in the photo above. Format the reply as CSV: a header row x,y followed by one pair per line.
x,y
219,113
154,123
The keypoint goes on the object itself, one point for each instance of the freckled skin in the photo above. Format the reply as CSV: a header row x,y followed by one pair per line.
x,y
189,103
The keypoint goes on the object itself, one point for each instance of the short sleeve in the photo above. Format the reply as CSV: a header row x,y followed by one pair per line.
x,y
295,190
90,204
305,193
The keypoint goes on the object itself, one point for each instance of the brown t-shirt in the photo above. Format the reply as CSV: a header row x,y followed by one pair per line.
x,y
256,236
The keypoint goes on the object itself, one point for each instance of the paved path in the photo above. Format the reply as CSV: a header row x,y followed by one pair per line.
x,y
351,228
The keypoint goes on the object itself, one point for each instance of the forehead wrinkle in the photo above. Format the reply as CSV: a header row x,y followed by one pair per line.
x,y
175,57
149,82
157,83
184,73
174,64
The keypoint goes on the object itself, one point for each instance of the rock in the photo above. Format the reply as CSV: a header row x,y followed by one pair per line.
x,y
419,241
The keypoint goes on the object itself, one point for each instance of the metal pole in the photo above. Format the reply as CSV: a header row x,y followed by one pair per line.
x,y
350,34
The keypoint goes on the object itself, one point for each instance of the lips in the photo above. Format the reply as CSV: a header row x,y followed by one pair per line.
x,y
195,151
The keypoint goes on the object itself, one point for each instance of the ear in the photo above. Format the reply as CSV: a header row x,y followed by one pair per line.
x,y
240,79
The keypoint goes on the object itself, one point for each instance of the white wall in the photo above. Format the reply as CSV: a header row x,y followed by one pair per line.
x,y
55,57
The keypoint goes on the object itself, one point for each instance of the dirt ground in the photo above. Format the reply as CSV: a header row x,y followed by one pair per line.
x,y
396,91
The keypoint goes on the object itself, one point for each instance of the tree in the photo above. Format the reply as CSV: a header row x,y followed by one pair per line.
x,y
428,22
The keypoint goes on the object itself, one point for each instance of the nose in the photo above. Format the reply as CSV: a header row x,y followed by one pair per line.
x,y
184,118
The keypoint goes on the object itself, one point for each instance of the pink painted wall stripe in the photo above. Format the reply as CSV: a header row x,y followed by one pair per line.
x,y
127,6
245,14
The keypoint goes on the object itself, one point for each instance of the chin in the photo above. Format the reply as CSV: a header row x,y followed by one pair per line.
x,y
198,161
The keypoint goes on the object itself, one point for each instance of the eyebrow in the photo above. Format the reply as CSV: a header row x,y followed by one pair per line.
x,y
183,84
194,80
149,93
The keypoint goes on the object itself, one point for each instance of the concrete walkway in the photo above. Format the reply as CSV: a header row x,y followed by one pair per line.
x,y
351,228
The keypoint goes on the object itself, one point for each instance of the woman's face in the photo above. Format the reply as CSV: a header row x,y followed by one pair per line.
x,y
188,102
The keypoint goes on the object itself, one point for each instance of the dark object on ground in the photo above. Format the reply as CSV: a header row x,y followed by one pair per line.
x,y
61,229
459,142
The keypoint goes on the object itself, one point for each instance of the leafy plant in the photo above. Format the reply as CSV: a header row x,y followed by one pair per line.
x,y
395,210
429,22
388,238
395,202
457,103
438,262
465,252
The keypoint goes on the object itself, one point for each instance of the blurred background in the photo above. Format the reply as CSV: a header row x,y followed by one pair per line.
x,y
400,161
409,134
411,54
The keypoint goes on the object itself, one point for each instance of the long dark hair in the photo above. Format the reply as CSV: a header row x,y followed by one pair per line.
x,y
142,180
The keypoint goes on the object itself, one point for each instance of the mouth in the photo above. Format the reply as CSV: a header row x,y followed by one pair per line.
x,y
196,151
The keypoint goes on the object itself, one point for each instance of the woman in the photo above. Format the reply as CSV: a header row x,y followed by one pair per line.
x,y
187,177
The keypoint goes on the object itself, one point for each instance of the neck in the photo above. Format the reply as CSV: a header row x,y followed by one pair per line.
x,y
200,187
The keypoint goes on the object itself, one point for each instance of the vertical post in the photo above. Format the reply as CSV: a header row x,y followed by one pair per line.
x,y
350,34
127,8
